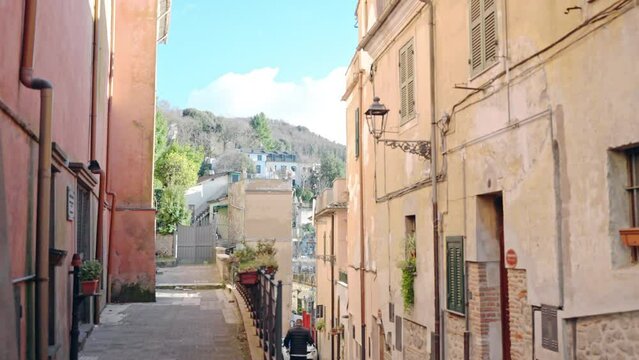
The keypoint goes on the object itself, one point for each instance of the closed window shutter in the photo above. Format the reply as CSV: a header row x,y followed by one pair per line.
x,y
403,87
410,81
476,53
490,32
407,81
455,273
483,34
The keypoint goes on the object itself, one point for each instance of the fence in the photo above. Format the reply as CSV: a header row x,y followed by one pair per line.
x,y
264,301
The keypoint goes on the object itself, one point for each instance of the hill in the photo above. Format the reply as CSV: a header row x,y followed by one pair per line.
x,y
216,134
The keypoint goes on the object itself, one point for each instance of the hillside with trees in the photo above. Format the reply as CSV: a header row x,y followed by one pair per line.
x,y
215,135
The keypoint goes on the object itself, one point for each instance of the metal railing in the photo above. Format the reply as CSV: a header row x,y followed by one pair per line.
x,y
264,301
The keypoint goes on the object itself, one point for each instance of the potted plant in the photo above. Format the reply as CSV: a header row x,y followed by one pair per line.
x,y
90,273
247,273
630,236
267,263
320,325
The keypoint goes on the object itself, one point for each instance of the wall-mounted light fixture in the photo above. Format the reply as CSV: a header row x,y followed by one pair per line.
x,y
376,119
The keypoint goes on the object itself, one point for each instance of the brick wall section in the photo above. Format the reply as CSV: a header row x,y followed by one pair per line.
x,y
455,328
520,315
483,310
614,336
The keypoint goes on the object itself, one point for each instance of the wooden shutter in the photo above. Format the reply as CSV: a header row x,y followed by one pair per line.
x,y
476,48
483,34
490,32
407,81
357,133
398,333
455,273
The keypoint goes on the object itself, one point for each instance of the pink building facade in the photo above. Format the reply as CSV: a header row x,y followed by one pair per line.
x,y
99,58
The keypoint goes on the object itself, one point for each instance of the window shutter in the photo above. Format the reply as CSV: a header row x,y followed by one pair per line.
x,y
410,81
402,82
398,333
490,32
357,133
455,273
476,63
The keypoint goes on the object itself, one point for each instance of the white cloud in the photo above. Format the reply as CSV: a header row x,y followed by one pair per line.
x,y
314,103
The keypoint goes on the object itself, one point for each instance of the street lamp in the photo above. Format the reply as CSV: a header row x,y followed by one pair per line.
x,y
376,118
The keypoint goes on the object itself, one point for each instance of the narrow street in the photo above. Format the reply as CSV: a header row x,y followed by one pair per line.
x,y
184,323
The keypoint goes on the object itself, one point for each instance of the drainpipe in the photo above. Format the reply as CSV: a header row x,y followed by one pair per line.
x,y
433,174
333,322
362,279
44,178
94,70
114,198
99,238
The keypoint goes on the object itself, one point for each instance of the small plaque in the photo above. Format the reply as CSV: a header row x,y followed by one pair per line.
x,y
70,204
511,258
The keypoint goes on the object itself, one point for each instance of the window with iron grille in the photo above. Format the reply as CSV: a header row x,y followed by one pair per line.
x,y
633,191
407,81
455,273
483,35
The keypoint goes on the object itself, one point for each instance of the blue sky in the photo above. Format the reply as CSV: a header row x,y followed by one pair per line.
x,y
238,57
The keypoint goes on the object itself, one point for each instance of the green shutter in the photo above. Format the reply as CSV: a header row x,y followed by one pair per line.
x,y
357,133
455,273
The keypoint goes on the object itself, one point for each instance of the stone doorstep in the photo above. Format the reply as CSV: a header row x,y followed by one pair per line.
x,y
85,331
192,286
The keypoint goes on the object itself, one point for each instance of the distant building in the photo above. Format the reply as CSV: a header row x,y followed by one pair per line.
x,y
273,164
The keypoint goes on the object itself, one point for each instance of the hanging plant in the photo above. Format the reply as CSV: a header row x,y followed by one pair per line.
x,y
409,272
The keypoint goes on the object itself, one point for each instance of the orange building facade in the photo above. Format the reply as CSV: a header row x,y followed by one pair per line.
x,y
77,109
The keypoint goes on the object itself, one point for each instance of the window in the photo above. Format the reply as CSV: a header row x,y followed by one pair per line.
x,y
343,277
258,169
259,157
357,133
398,333
483,35
409,243
633,191
455,273
407,81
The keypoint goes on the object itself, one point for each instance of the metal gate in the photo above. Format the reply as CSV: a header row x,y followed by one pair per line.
x,y
196,244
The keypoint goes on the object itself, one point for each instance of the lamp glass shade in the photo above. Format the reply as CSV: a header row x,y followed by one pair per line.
x,y
376,118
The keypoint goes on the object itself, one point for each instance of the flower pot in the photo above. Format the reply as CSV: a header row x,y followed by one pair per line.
x,y
248,277
89,287
630,236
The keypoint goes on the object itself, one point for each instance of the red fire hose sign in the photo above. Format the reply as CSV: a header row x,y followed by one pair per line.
x,y
511,258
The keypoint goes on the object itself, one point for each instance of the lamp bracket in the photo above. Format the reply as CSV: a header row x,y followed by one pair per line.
x,y
418,147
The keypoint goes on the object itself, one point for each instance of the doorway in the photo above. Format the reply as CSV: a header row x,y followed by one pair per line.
x,y
503,279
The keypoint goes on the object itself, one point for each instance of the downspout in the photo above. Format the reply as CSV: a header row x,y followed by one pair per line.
x,y
44,178
433,174
114,198
94,71
99,238
361,227
333,320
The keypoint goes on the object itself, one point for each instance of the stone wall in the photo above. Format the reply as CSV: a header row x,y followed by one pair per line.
x,y
455,328
520,317
613,336
164,244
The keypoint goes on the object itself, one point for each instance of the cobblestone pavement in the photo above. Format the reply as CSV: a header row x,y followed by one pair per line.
x,y
180,325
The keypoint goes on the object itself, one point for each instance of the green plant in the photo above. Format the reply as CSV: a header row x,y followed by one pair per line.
x,y
266,261
320,325
90,270
409,272
266,247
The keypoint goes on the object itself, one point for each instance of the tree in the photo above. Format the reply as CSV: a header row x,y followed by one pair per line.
x,y
331,168
259,123
178,166
161,134
234,161
172,210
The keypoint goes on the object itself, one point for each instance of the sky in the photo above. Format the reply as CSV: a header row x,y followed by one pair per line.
x,y
236,58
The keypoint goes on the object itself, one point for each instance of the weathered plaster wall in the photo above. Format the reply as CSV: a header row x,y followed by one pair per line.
x,y
131,161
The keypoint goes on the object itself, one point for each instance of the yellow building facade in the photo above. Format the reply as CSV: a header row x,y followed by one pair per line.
x,y
529,109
